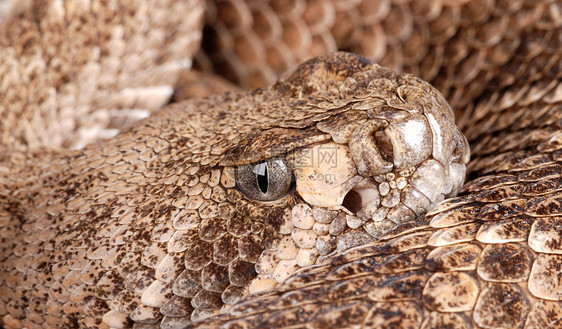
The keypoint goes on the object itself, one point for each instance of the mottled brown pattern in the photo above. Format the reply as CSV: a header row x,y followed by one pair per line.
x,y
148,230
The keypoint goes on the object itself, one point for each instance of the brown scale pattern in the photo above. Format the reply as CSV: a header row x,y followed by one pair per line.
x,y
457,46
94,230
491,257
99,250
73,73
470,268
148,229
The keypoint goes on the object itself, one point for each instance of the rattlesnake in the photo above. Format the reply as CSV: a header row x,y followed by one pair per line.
x,y
159,226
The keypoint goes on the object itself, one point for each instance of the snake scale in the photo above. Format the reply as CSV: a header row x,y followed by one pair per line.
x,y
298,205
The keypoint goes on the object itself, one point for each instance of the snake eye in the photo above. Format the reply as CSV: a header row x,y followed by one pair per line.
x,y
264,181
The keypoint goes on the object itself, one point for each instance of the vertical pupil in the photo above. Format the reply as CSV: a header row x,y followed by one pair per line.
x,y
262,177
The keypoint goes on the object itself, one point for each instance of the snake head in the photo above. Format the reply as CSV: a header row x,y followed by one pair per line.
x,y
396,151
368,149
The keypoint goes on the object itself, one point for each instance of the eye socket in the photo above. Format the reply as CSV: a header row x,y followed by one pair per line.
x,y
264,181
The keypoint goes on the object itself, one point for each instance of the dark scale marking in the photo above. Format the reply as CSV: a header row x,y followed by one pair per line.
x,y
509,152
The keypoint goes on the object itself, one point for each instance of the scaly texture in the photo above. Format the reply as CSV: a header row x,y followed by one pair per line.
x,y
150,223
74,72
149,226
461,47
489,258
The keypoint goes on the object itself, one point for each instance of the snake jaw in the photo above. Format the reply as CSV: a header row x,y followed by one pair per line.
x,y
144,227
389,162
355,193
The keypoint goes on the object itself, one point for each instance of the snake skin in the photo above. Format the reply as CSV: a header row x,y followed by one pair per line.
x,y
148,230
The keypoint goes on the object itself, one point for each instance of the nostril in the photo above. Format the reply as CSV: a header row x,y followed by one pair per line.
x,y
353,202
365,148
385,146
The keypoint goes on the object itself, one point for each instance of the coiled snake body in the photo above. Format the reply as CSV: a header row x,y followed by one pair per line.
x,y
300,205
